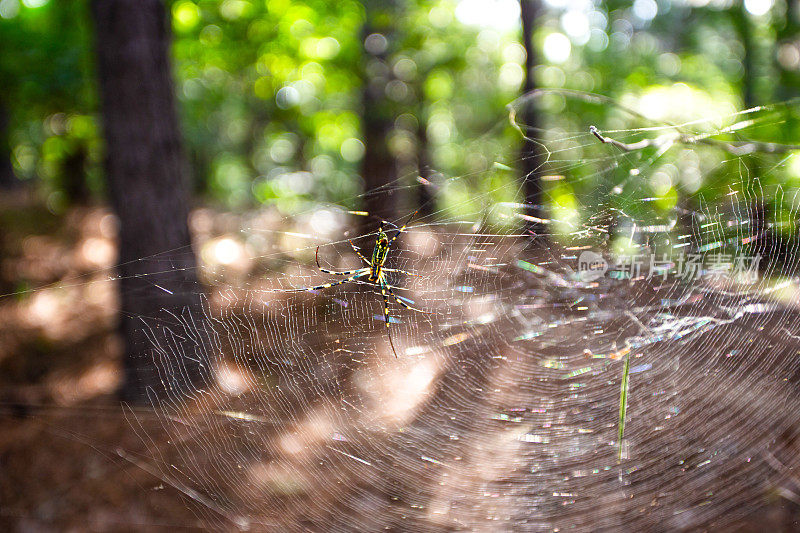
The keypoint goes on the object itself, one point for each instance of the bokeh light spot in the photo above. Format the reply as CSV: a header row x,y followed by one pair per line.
x,y
352,149
557,47
185,16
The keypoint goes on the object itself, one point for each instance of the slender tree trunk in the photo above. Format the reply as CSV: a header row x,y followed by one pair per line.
x,y
532,157
146,175
8,179
789,78
744,27
378,168
768,245
73,173
425,200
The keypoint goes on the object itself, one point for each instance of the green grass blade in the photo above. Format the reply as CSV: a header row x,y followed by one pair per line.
x,y
623,402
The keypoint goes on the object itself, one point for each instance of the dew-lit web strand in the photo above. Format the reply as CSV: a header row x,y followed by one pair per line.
x,y
215,429
740,149
337,451
153,470
686,138
141,464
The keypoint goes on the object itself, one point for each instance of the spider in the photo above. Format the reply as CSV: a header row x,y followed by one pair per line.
x,y
374,273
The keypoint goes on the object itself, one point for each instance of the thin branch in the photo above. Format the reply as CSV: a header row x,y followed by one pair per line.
x,y
735,148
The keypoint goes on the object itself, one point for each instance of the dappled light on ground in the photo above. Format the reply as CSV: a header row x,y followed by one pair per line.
x,y
627,364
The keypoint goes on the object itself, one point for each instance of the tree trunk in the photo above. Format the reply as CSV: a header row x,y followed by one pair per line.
x,y
788,78
532,157
8,179
743,25
769,245
73,172
146,172
425,199
378,167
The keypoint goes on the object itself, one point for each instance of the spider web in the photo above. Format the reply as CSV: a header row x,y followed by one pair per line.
x,y
502,411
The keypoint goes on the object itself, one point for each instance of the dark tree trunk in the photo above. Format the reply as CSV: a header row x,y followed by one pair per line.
x,y
378,168
73,173
145,170
789,78
770,246
8,179
532,157
744,27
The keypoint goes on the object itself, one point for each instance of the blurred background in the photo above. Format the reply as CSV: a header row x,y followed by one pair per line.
x,y
156,154
271,95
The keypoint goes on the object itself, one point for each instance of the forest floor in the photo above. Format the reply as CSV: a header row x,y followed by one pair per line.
x,y
61,426
72,459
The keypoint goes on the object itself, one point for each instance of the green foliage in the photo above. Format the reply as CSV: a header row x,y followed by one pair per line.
x,y
270,93
46,65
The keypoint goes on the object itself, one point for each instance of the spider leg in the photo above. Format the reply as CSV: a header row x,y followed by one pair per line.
x,y
349,272
346,273
386,317
328,285
355,249
403,227
398,270
399,300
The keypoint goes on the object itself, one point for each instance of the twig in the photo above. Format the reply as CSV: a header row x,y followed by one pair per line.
x,y
735,148
622,146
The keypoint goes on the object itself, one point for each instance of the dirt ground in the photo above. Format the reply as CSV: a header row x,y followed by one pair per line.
x,y
73,459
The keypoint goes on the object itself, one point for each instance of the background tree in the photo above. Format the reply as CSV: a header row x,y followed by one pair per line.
x,y
532,157
7,177
272,102
147,186
48,97
379,167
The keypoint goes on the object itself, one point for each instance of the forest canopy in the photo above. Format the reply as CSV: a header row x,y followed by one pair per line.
x,y
270,102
